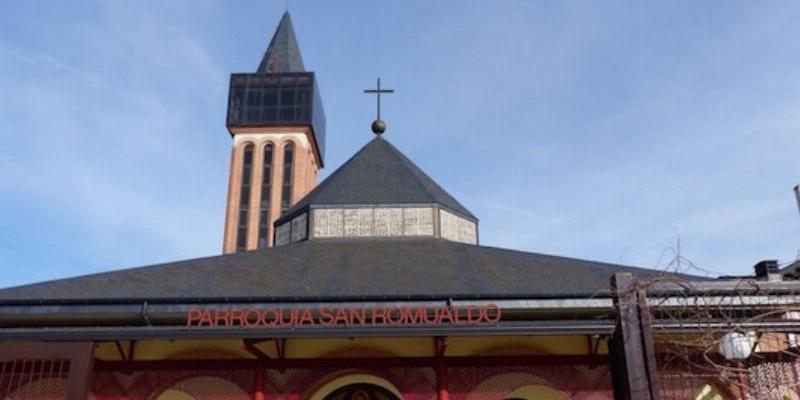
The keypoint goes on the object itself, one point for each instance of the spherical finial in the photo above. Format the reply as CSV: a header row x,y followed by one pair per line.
x,y
378,126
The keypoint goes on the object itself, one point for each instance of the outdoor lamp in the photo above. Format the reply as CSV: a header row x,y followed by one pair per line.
x,y
736,346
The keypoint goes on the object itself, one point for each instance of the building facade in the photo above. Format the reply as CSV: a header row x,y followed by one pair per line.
x,y
372,285
277,124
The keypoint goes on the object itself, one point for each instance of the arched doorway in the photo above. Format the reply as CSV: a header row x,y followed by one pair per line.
x,y
535,392
517,385
361,391
203,387
354,386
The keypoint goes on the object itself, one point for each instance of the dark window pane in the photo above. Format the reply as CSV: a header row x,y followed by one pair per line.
x,y
241,239
268,155
270,114
286,189
254,98
287,114
302,114
263,230
303,97
238,96
270,98
235,106
287,177
252,115
265,197
244,197
287,97
288,155
267,176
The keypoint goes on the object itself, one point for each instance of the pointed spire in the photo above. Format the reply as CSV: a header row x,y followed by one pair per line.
x,y
283,53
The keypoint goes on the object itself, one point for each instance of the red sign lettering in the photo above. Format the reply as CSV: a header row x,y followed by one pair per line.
x,y
488,314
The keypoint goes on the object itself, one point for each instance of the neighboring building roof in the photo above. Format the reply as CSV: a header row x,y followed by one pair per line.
x,y
378,174
342,270
791,271
283,52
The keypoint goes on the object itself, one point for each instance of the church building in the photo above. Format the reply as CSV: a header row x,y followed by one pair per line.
x,y
369,285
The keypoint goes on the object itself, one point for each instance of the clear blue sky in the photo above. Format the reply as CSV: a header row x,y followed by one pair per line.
x,y
598,130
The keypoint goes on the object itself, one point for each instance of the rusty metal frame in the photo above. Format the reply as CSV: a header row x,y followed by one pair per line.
x,y
633,361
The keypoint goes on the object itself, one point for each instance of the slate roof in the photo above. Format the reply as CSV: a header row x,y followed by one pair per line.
x,y
332,270
283,52
379,174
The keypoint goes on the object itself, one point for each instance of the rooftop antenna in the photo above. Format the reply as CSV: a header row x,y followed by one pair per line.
x,y
797,196
378,126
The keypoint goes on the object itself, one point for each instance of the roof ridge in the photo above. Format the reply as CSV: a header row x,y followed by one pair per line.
x,y
423,177
405,161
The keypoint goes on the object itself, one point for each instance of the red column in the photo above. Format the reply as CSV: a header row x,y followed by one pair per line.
x,y
442,392
258,382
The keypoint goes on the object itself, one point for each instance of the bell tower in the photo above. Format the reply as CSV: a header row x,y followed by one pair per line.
x,y
277,124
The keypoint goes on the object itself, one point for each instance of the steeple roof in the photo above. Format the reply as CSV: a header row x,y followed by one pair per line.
x,y
379,174
283,53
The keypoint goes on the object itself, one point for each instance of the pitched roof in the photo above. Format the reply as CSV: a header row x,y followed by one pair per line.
x,y
283,52
379,174
340,270
791,271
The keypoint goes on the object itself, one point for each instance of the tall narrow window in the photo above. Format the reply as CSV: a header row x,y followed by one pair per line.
x,y
263,225
244,198
286,185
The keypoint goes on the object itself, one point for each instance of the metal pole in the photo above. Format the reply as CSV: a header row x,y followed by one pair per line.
x,y
797,196
379,98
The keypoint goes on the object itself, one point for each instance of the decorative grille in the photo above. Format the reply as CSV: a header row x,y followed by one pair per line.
x,y
413,383
33,379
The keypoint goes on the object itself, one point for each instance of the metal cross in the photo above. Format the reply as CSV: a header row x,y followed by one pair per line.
x,y
378,91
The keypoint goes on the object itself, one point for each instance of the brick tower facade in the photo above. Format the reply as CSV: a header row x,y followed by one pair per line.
x,y
277,123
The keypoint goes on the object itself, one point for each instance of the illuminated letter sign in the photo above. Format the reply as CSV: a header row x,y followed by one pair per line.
x,y
259,317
